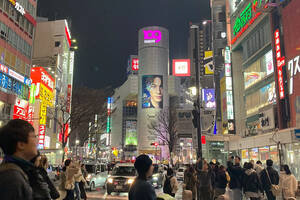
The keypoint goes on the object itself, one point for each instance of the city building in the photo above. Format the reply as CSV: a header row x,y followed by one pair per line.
x,y
17,28
54,55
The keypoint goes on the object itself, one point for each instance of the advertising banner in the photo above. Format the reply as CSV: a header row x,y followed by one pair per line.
x,y
181,67
42,131
131,135
152,91
40,75
209,98
69,98
20,109
208,62
135,64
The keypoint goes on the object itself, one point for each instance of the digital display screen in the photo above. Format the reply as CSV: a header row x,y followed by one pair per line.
x,y
209,98
152,91
131,135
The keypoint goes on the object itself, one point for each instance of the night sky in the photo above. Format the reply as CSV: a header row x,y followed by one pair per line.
x,y
107,32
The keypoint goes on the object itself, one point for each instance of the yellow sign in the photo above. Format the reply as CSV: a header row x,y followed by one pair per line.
x,y
116,152
46,97
208,60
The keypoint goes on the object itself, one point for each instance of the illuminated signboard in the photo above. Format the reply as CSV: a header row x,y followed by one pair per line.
x,y
109,106
209,98
181,67
69,94
208,63
40,75
22,10
131,135
247,18
20,109
30,114
294,68
42,130
280,60
135,64
152,36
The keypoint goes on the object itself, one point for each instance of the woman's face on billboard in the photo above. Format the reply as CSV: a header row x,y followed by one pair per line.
x,y
156,91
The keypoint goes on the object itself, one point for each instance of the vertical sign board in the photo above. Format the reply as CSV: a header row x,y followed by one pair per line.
x,y
135,64
297,134
280,60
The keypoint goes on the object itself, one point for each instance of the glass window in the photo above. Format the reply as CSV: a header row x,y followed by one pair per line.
x,y
264,154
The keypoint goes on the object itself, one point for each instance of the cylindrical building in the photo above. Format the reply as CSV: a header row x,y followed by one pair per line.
x,y
153,85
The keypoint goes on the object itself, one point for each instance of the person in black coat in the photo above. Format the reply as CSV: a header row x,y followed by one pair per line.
x,y
220,181
141,189
266,182
251,184
235,172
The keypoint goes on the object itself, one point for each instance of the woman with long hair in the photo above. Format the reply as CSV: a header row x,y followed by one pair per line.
x,y
288,183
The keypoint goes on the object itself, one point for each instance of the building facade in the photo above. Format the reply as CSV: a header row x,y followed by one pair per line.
x,y
17,24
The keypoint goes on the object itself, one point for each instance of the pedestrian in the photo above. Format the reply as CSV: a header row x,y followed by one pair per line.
x,y
19,144
204,181
78,178
190,180
258,167
220,182
270,179
42,167
68,180
235,172
39,186
251,184
288,183
141,189
170,183
83,182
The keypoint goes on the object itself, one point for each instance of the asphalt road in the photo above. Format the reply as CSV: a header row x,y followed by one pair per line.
x,y
100,194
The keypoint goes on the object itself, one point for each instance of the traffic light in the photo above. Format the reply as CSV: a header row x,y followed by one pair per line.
x,y
195,118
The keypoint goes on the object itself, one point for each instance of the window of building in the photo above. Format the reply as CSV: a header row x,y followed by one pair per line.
x,y
6,6
2,4
3,31
57,44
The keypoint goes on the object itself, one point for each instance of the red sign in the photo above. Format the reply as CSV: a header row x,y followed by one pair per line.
x,y
135,64
42,132
68,36
4,69
203,139
66,133
181,67
40,75
20,109
280,60
69,93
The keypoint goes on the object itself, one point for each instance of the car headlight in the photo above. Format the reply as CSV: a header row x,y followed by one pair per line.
x,y
88,177
130,181
110,180
155,178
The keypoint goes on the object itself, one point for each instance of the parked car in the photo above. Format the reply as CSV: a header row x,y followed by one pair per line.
x,y
158,176
121,178
180,173
96,175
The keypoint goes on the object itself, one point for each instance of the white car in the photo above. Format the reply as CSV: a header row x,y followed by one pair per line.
x,y
121,178
180,173
97,176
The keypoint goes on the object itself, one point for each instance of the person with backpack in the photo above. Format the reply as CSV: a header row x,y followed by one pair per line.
x,y
19,144
270,181
251,183
170,183
220,181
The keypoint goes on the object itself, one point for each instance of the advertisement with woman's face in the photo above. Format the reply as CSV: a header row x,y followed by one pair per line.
x,y
152,94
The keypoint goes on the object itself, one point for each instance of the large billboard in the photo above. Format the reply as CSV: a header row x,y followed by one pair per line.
x,y
181,67
152,91
209,99
130,133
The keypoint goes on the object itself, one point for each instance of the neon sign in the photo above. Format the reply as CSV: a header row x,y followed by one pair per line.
x,y
151,36
294,69
280,60
247,18
135,64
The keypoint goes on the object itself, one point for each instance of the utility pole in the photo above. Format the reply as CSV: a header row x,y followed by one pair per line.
x,y
196,111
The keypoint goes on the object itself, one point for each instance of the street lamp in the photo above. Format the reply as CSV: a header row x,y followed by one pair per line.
x,y
76,143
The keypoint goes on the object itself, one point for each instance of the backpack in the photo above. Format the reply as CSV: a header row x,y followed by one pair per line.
x,y
167,185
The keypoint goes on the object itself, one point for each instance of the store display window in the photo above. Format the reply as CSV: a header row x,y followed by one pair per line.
x,y
292,158
253,153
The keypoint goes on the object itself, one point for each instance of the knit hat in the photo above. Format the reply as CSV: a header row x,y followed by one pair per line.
x,y
142,164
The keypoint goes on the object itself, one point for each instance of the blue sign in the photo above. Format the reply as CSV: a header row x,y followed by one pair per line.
x,y
297,134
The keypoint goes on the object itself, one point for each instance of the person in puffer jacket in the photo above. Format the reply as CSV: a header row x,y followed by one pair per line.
x,y
288,183
251,183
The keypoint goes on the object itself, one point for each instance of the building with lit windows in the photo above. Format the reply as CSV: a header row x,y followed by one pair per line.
x,y
54,54
17,27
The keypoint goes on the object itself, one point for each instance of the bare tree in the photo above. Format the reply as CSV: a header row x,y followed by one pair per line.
x,y
164,128
86,103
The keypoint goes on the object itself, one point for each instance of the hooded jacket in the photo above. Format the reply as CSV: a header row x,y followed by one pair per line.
x,y
251,182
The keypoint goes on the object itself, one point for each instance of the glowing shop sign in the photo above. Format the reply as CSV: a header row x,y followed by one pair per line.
x,y
152,36
135,64
246,18
18,7
280,60
294,68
